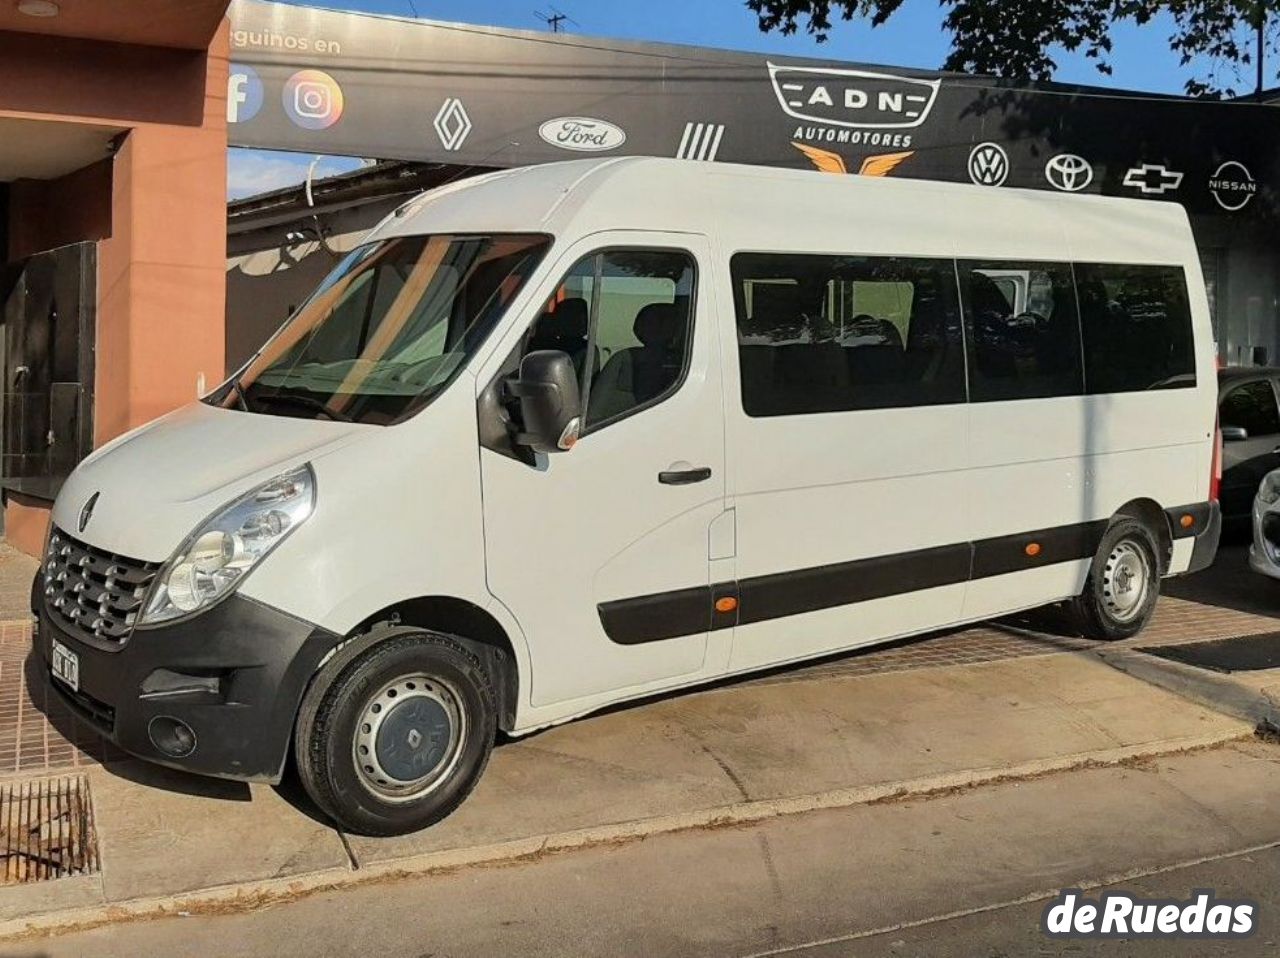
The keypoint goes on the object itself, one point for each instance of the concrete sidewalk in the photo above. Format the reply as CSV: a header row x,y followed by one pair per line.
x,y
744,752
962,874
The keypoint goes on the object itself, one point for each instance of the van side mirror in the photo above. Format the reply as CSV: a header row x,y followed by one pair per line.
x,y
550,407
1234,434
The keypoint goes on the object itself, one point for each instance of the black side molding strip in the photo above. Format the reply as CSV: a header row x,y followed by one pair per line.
x,y
668,615
823,587
663,615
1004,554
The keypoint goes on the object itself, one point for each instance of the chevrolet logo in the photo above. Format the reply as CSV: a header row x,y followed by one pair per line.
x,y
1152,178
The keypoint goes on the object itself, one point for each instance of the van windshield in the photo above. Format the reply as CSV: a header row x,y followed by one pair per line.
x,y
388,329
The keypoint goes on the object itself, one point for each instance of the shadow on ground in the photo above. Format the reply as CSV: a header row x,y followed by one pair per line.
x,y
1229,583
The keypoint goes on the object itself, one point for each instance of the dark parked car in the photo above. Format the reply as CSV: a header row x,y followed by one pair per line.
x,y
1249,416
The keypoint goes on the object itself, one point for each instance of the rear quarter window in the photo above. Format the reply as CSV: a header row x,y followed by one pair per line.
x,y
1136,327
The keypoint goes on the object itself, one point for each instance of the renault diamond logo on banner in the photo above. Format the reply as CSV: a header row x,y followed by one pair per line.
x,y
701,141
452,124
853,100
988,164
1152,178
1068,172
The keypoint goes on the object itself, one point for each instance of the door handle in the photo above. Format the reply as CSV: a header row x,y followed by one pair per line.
x,y
682,477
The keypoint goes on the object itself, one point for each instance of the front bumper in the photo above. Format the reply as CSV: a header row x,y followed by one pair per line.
x,y
234,675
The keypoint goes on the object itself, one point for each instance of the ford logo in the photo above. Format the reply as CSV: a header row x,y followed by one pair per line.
x,y
582,134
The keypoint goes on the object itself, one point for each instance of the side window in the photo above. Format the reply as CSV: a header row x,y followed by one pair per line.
x,y
1023,330
1252,407
625,319
1136,323
839,333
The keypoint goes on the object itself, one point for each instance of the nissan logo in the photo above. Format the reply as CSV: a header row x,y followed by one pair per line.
x,y
1068,172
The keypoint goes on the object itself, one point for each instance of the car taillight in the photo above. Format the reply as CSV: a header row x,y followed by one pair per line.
x,y
1215,471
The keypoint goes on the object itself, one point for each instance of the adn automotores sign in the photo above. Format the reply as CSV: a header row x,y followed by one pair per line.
x,y
322,81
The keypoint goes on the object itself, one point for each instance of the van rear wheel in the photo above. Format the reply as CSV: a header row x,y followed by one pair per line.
x,y
1120,592
393,735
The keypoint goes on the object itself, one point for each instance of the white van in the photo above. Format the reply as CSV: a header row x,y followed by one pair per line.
x,y
559,437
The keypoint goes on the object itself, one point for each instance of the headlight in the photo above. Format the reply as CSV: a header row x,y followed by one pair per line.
x,y
1269,491
221,552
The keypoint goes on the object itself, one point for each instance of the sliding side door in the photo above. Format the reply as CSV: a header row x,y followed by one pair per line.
x,y
847,430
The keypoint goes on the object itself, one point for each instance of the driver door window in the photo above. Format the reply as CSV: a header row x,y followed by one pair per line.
x,y
1023,330
625,318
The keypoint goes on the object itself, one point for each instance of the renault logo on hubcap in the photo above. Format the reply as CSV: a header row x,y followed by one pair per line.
x,y
87,512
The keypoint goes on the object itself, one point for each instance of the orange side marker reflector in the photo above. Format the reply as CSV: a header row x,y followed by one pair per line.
x,y
726,604
1187,521
1032,549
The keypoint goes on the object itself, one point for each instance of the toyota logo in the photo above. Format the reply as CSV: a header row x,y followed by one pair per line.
x,y
1068,172
988,164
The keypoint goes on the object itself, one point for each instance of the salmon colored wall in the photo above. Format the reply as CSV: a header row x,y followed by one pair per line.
x,y
162,274
67,77
161,270
44,214
26,523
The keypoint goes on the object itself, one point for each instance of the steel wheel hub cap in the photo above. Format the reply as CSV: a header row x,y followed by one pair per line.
x,y
1125,581
409,737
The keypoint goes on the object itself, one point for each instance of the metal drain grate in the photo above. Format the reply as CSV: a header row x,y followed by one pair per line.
x,y
46,830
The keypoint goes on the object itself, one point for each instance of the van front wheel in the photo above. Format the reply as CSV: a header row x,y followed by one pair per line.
x,y
392,739
1120,592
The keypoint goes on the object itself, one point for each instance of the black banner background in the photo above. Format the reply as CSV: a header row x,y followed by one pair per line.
x,y
321,81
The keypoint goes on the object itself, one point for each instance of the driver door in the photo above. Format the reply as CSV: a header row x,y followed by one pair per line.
x,y
601,552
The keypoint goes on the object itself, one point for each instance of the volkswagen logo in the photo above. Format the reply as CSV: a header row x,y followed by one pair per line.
x,y
86,513
988,164
1068,172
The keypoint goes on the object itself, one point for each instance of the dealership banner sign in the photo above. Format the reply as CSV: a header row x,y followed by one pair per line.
x,y
323,81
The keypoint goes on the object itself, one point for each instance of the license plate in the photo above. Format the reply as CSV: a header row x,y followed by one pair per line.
x,y
65,665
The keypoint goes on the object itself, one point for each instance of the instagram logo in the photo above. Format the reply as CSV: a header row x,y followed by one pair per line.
x,y
313,99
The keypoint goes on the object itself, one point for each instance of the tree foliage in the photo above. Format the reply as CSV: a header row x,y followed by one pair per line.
x,y
1019,40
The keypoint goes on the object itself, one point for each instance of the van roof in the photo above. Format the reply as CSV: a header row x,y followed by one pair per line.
x,y
758,207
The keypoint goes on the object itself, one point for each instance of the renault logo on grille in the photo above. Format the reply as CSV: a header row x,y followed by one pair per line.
x,y
87,512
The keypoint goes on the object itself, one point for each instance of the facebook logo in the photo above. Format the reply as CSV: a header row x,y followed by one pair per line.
x,y
244,94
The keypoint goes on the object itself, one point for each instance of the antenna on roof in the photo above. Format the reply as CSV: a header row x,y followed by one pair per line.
x,y
555,18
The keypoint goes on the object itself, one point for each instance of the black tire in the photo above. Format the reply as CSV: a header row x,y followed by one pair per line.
x,y
1108,608
430,686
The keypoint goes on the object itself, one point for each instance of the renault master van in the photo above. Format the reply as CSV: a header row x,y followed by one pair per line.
x,y
559,437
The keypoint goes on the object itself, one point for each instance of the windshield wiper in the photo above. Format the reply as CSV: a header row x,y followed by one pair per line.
x,y
307,402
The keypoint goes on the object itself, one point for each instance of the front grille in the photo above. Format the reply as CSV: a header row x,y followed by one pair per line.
x,y
94,594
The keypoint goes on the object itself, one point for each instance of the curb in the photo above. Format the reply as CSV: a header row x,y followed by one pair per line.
x,y
248,896
1214,690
